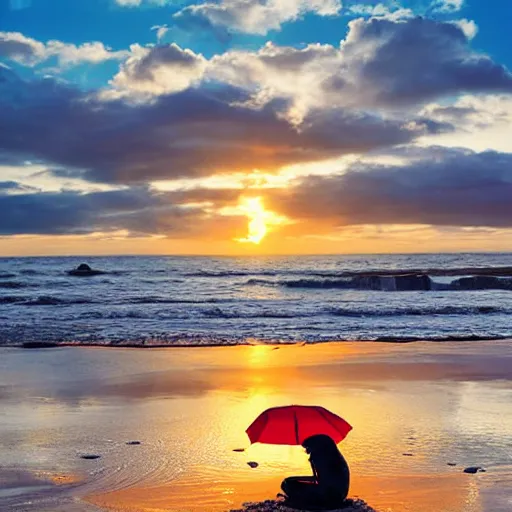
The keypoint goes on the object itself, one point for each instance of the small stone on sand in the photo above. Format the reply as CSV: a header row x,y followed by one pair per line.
x,y
451,463
253,464
408,454
133,443
239,450
90,457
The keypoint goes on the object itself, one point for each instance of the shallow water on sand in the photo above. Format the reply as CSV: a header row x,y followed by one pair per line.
x,y
415,408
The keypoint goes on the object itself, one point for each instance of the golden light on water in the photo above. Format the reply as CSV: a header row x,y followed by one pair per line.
x,y
259,219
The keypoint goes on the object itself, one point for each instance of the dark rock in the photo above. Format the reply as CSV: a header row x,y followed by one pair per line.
x,y
39,344
408,454
253,464
90,457
239,450
482,283
133,443
85,270
474,469
451,464
413,282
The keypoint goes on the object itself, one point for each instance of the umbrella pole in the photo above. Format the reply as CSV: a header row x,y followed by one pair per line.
x,y
296,427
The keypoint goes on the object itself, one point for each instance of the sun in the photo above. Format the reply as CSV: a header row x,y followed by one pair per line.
x,y
259,220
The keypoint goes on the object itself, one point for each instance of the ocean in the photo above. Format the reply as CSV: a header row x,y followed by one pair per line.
x,y
170,300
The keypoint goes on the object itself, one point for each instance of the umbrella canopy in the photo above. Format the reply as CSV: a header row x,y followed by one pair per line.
x,y
293,424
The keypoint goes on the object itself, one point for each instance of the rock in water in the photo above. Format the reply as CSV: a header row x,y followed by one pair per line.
x,y
413,282
482,283
474,469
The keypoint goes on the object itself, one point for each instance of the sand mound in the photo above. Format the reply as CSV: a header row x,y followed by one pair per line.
x,y
278,506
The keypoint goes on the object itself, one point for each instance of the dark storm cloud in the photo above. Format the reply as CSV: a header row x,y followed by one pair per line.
x,y
138,210
415,60
452,187
193,133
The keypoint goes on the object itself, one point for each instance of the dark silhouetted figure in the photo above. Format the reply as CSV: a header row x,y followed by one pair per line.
x,y
328,487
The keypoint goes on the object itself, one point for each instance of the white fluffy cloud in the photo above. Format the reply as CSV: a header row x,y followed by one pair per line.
x,y
157,70
25,50
255,16
383,63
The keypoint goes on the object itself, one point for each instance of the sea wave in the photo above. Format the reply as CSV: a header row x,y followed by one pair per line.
x,y
45,300
428,311
11,300
15,285
230,273
397,272
406,282
243,314
203,340
165,300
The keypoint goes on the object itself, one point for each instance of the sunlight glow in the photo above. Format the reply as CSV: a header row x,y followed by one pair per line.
x,y
259,220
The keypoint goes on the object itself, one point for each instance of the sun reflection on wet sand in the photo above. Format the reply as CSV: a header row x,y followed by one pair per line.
x,y
190,409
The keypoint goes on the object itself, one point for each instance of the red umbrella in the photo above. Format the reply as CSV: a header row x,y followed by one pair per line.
x,y
293,424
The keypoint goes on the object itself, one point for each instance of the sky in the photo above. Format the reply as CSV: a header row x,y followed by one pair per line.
x,y
255,126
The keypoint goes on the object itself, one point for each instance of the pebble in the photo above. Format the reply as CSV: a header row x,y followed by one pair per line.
x,y
133,443
90,457
239,450
451,463
408,454
253,464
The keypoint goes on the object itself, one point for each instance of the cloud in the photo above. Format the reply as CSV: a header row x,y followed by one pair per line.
x,y
15,46
161,31
391,10
400,62
473,114
30,52
435,187
253,16
469,27
138,3
11,186
157,70
137,210
382,64
447,6
193,133
439,186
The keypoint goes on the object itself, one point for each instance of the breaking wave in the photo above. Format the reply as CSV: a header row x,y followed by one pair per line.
x,y
406,282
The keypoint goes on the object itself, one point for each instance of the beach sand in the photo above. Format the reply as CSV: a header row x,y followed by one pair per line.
x,y
415,408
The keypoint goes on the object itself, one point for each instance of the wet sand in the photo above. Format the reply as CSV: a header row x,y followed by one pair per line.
x,y
438,403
